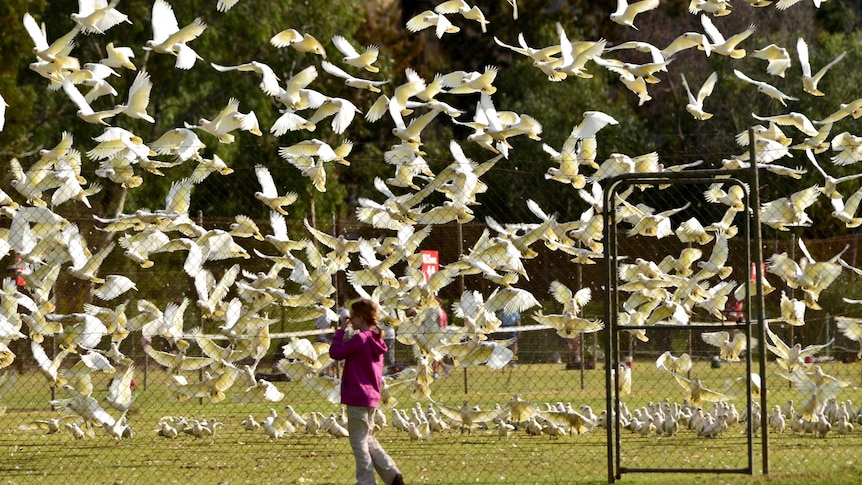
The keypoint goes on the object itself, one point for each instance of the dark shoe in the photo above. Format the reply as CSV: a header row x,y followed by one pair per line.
x,y
398,480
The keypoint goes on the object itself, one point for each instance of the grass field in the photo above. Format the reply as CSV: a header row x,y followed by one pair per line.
x,y
237,456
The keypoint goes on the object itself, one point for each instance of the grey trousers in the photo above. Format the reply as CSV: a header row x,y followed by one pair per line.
x,y
369,455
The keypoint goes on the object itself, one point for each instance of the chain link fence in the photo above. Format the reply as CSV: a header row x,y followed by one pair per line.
x,y
210,360
166,317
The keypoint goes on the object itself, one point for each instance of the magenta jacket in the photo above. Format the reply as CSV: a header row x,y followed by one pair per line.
x,y
363,367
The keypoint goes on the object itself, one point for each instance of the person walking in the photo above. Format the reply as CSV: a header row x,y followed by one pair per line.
x,y
361,381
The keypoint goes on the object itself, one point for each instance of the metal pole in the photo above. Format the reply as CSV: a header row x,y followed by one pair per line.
x,y
581,335
758,261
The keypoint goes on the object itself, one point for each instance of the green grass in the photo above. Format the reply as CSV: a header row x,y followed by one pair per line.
x,y
236,456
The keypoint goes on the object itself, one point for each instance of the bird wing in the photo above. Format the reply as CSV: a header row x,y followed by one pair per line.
x,y
344,46
802,51
717,339
164,21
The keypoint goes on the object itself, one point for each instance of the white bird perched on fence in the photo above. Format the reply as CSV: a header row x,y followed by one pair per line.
x,y
169,38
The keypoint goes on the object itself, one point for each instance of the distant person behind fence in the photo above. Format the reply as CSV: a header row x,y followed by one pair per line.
x,y
511,320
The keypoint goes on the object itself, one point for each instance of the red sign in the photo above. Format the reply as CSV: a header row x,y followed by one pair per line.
x,y
430,264
754,270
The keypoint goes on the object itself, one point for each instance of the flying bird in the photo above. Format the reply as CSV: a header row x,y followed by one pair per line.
x,y
809,81
766,89
695,103
625,13
169,38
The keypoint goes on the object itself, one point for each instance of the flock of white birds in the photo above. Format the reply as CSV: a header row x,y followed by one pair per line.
x,y
300,281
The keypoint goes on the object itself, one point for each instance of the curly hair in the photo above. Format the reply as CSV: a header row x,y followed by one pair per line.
x,y
367,309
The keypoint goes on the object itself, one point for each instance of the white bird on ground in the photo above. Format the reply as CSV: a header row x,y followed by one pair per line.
x,y
169,38
625,13
695,103
53,425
